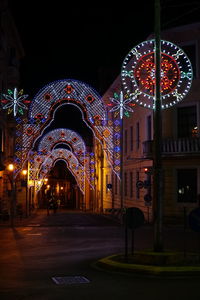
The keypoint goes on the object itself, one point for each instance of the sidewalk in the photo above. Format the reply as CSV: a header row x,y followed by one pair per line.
x,y
115,264
180,258
63,217
19,221
37,216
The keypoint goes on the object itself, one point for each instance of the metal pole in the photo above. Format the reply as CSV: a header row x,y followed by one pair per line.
x,y
26,191
157,159
13,201
121,166
126,241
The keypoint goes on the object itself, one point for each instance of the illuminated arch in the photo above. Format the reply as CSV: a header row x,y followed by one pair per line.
x,y
46,163
67,91
62,135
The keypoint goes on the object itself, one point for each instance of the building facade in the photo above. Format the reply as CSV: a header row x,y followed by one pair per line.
x,y
11,52
180,144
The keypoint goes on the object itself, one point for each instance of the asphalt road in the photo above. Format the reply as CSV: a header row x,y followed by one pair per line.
x,y
66,245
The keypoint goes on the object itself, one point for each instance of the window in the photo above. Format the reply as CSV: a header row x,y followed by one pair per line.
x,y
149,133
131,138
187,121
187,185
125,184
138,135
12,58
131,184
137,189
125,141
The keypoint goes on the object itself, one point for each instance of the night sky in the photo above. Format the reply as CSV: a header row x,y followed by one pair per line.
x,y
84,41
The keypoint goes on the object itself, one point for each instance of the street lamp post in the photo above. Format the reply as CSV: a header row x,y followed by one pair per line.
x,y
15,103
24,172
13,195
121,164
157,158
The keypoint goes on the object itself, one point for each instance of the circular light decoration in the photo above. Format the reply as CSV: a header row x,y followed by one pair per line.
x,y
138,74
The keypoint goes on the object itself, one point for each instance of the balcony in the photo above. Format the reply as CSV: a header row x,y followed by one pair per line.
x,y
175,147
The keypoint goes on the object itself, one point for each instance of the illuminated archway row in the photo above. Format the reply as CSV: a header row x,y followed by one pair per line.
x,y
43,108
77,148
76,144
69,158
50,141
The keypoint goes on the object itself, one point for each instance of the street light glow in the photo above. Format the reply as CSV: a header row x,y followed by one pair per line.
x,y
24,172
11,167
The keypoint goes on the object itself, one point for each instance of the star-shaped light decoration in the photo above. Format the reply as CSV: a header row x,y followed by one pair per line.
x,y
14,101
122,104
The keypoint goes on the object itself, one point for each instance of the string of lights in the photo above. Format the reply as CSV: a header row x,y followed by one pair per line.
x,y
138,74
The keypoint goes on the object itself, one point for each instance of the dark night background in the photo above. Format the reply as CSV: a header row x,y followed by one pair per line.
x,y
87,41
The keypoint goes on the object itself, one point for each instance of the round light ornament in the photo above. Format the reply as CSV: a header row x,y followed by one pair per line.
x,y
139,74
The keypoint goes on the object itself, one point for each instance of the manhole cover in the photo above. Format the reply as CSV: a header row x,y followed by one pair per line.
x,y
32,234
70,280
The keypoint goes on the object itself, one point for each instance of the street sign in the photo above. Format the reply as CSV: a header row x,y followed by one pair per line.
x,y
134,217
139,184
147,198
147,184
109,186
194,219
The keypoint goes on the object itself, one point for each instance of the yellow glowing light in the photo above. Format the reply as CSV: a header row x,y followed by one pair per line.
x,y
31,183
11,167
24,172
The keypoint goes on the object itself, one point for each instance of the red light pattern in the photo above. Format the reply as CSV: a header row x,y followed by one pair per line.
x,y
68,89
145,74
47,97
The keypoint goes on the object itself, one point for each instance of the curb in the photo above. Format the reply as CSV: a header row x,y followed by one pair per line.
x,y
109,264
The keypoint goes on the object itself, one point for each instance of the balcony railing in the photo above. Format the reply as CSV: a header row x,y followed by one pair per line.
x,y
178,146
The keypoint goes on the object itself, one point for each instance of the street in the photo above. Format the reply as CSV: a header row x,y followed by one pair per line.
x,y
67,244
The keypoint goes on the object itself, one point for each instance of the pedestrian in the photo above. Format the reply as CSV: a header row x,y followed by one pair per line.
x,y
55,206
49,204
